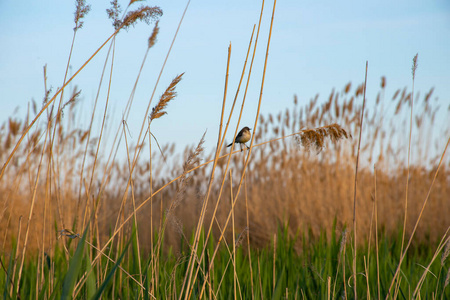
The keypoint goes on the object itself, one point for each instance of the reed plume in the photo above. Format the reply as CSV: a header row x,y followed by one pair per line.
x,y
81,11
144,13
75,95
241,237
315,138
191,162
132,1
445,253
414,66
169,94
114,12
447,279
152,38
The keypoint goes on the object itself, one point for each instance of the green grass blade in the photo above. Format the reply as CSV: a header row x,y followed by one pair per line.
x,y
74,268
9,273
111,273
90,281
44,290
280,286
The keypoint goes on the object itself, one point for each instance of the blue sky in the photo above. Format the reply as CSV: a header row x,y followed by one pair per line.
x,y
316,46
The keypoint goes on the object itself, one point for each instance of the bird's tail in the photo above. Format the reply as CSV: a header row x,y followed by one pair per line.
x,y
229,145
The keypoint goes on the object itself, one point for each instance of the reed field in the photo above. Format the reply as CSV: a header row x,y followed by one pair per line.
x,y
344,197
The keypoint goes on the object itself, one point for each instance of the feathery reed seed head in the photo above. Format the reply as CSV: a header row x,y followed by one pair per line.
x,y
192,160
445,253
132,1
168,95
347,88
414,66
343,241
314,138
144,13
81,11
152,38
447,279
114,12
241,237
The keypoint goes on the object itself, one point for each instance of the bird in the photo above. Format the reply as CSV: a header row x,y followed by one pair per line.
x,y
243,137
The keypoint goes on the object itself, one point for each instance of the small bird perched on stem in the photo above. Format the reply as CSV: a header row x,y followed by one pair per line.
x,y
243,137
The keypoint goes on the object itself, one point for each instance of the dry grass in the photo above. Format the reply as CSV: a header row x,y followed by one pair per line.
x,y
298,173
169,94
284,181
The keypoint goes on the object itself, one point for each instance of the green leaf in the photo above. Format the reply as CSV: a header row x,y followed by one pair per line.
x,y
90,281
74,268
9,272
279,287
